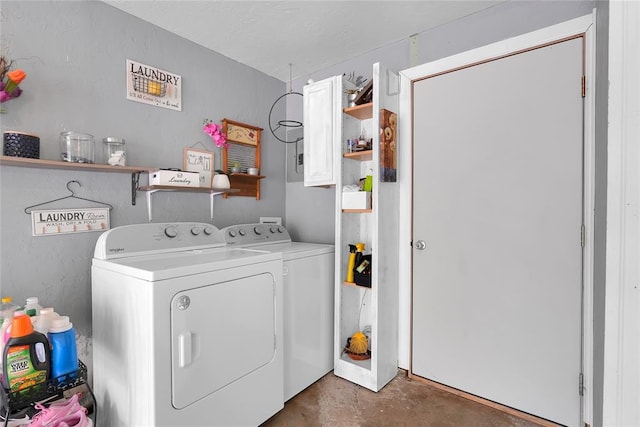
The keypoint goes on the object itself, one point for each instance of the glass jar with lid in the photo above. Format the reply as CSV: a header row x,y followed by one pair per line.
x,y
114,151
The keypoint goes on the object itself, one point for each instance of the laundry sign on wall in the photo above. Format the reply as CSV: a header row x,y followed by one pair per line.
x,y
153,86
67,221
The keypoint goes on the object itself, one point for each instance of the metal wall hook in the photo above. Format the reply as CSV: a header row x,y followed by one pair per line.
x,y
69,188
27,210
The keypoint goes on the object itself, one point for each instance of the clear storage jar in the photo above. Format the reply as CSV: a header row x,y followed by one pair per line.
x,y
77,147
114,151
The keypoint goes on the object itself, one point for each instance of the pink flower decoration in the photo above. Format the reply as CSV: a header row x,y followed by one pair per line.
x,y
215,132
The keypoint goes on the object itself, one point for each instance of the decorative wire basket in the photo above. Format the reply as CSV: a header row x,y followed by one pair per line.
x,y
19,399
148,86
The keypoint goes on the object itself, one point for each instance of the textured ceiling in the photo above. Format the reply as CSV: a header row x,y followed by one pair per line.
x,y
310,35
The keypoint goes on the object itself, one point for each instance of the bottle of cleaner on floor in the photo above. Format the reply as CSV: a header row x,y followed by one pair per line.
x,y
7,311
64,353
42,322
32,308
26,356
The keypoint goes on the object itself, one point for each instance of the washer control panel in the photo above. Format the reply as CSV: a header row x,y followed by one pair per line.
x,y
255,234
137,239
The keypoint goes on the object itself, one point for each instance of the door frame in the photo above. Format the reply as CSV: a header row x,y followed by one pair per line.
x,y
622,306
584,25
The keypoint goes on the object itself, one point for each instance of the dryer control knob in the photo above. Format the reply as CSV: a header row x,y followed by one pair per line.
x,y
257,230
241,232
273,229
195,231
280,229
232,233
208,230
170,232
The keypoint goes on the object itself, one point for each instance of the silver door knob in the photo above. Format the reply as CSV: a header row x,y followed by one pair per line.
x,y
420,244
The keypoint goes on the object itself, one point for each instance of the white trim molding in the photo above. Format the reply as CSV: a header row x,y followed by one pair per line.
x,y
621,394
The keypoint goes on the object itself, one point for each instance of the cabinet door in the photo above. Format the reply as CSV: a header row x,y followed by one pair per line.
x,y
322,106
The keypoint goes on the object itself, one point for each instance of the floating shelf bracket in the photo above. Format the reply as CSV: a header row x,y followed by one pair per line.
x,y
212,195
135,184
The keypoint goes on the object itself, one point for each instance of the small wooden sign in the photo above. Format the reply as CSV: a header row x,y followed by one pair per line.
x,y
388,146
242,133
153,86
67,221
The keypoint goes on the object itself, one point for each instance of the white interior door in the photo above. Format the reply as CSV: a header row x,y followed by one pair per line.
x,y
498,193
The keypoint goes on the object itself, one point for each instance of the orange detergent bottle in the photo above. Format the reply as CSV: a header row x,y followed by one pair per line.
x,y
26,356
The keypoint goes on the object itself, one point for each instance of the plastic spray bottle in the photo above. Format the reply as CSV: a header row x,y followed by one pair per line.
x,y
352,263
355,252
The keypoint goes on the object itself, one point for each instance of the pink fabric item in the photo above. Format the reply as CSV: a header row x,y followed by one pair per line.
x,y
69,412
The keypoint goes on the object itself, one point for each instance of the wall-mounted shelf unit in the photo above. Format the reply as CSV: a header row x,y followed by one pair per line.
x,y
56,164
151,189
375,308
247,185
244,152
135,172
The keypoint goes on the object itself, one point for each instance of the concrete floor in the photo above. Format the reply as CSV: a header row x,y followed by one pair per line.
x,y
335,402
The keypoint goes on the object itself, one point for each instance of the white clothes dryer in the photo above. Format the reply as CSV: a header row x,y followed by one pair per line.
x,y
308,276
186,332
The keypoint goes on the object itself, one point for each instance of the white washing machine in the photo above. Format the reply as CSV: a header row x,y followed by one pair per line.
x,y
308,300
186,332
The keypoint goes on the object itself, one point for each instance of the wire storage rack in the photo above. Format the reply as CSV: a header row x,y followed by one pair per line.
x,y
21,402
149,86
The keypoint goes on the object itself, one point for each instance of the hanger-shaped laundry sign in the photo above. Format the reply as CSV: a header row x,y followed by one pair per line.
x,y
69,220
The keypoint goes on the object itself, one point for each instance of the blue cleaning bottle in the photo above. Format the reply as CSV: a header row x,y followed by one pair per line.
x,y
64,353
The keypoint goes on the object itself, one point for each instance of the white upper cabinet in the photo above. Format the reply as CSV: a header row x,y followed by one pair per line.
x,y
322,131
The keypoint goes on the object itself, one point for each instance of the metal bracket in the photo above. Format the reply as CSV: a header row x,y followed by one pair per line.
x,y
135,184
149,203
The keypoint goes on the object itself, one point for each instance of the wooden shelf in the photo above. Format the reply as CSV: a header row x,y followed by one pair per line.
x,y
357,210
363,156
245,185
360,112
354,285
57,164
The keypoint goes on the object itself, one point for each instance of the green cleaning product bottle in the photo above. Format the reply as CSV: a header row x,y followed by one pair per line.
x,y
27,356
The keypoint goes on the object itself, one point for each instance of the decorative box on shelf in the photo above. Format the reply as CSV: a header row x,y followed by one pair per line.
x,y
356,200
174,178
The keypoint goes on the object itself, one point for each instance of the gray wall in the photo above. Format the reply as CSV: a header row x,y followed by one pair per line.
x,y
312,211
74,54
502,21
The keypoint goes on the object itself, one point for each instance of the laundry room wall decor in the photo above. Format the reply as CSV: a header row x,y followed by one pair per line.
x,y
153,86
67,221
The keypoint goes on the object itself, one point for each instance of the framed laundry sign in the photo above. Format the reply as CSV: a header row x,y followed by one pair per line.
x,y
67,221
201,161
153,86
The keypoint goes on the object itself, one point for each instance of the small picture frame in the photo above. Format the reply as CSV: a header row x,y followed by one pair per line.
x,y
200,161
